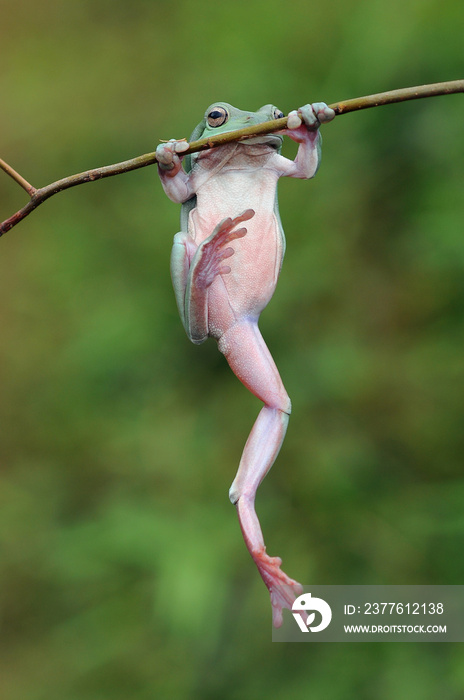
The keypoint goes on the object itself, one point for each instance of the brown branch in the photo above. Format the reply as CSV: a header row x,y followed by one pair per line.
x,y
40,195
402,95
43,193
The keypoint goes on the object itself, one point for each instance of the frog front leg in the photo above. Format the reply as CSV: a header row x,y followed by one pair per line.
x,y
303,127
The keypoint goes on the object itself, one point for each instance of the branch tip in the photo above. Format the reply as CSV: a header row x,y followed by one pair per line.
x,y
18,178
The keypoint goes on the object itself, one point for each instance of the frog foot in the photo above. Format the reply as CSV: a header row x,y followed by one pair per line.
x,y
215,249
283,589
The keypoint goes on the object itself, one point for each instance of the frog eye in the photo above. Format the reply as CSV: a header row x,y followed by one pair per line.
x,y
218,116
278,114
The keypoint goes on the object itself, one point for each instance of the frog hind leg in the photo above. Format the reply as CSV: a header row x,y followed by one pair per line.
x,y
251,361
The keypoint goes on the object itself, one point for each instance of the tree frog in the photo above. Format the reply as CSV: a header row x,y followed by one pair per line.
x,y
224,274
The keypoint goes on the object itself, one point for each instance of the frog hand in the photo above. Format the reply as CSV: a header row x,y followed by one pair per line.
x,y
308,118
167,155
215,249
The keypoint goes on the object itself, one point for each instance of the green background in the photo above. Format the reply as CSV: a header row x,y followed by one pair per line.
x,y
123,571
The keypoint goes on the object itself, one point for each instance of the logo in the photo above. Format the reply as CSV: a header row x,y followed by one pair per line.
x,y
307,603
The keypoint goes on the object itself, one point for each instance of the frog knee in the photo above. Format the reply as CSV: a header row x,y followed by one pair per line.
x,y
234,494
280,401
287,405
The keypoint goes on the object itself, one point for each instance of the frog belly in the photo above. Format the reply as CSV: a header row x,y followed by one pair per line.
x,y
254,269
255,265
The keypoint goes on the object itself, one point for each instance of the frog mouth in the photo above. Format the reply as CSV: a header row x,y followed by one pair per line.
x,y
274,140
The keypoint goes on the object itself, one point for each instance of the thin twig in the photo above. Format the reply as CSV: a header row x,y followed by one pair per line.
x,y
40,195
18,178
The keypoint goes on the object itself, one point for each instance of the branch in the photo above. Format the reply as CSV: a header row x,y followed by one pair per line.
x,y
37,196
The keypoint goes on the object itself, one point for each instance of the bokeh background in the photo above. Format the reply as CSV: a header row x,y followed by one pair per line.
x,y
123,571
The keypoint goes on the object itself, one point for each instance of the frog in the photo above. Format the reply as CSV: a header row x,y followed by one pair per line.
x,y
225,263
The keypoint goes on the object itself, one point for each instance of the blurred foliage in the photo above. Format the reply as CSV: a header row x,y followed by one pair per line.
x,y
123,572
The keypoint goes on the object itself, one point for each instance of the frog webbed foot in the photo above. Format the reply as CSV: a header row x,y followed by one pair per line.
x,y
215,249
282,589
